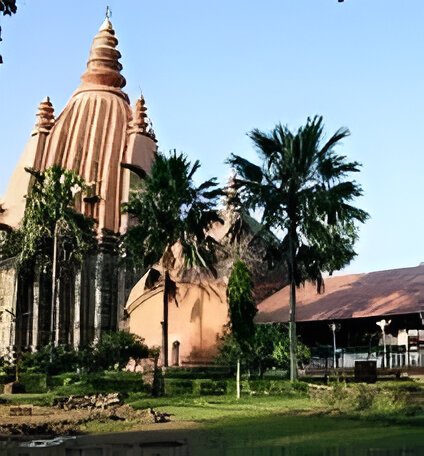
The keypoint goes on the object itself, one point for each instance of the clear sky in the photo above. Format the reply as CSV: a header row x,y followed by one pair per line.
x,y
212,70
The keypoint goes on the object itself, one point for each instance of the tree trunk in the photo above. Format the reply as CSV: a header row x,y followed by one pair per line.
x,y
165,318
292,319
238,378
54,310
292,333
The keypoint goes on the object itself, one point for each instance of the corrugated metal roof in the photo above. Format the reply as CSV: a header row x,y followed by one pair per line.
x,y
396,291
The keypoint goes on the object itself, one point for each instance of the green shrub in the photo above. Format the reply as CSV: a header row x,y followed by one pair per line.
x,y
34,383
67,378
196,373
106,382
210,387
177,387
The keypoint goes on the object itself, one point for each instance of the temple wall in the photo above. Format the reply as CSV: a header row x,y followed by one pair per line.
x,y
196,320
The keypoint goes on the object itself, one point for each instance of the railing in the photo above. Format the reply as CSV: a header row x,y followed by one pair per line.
x,y
396,357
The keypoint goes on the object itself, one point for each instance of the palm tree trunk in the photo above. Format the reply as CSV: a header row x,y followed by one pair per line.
x,y
238,378
165,319
292,319
292,332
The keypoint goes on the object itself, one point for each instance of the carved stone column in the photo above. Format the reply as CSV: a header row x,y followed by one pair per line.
x,y
77,310
98,282
35,308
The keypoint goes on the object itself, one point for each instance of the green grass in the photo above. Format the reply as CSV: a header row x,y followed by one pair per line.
x,y
218,425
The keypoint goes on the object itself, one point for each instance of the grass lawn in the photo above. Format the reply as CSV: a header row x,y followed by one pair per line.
x,y
252,425
287,424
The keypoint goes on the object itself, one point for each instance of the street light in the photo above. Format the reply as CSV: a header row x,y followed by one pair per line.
x,y
383,323
334,327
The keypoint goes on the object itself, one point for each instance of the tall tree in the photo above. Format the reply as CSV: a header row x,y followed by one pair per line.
x,y
7,7
303,189
242,309
170,209
50,214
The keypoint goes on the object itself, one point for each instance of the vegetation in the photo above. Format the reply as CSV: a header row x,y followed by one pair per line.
x,y
170,209
50,215
303,189
8,7
113,352
269,348
242,310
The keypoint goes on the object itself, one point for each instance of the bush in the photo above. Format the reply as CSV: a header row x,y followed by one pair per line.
x,y
176,387
124,382
67,378
34,383
210,387
51,361
105,382
195,373
114,350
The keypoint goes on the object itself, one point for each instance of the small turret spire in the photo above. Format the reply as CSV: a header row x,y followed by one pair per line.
x,y
140,122
45,117
103,67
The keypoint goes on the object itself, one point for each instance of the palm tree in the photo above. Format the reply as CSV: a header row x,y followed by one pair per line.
x,y
169,209
305,195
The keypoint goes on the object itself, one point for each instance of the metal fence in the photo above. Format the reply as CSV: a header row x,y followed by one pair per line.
x,y
396,357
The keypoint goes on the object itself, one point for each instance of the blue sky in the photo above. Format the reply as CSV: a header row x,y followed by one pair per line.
x,y
213,70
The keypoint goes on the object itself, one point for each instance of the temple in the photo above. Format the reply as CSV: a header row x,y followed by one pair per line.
x,y
100,137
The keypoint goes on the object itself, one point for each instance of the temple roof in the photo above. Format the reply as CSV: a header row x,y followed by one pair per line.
x,y
94,135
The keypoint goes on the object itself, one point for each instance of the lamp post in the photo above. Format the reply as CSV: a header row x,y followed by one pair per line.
x,y
334,327
383,323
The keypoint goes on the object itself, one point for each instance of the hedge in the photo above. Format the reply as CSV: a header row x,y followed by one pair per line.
x,y
34,383
209,387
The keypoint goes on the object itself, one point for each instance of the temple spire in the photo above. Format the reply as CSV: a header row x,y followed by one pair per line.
x,y
45,117
103,67
140,122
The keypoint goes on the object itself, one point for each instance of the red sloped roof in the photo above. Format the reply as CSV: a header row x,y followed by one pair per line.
x,y
396,291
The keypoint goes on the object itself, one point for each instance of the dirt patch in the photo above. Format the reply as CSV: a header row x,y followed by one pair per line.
x,y
51,421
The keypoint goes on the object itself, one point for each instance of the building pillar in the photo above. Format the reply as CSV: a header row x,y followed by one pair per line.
x,y
35,308
98,279
121,297
77,310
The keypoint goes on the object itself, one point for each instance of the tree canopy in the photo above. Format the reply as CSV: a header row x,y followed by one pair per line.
x,y
169,208
50,207
303,191
8,7
242,308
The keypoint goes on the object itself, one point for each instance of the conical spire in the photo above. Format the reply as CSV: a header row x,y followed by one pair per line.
x,y
45,117
103,67
139,121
